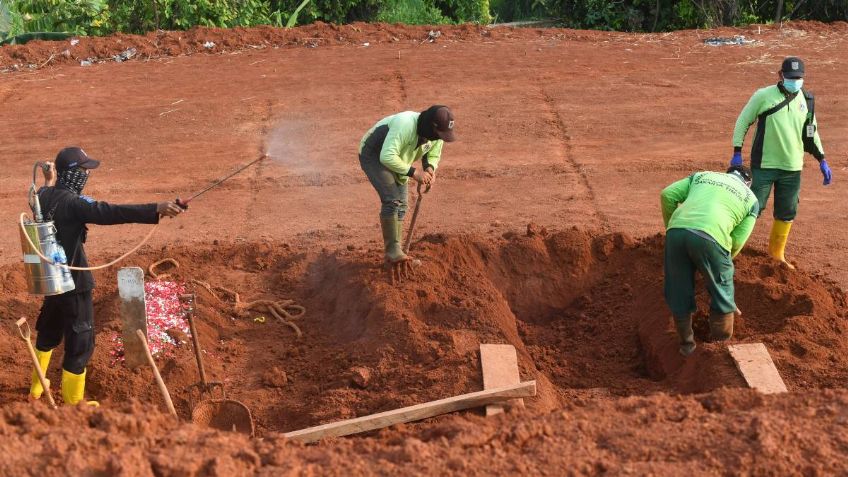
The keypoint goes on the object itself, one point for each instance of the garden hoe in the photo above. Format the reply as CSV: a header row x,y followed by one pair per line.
x,y
415,217
402,269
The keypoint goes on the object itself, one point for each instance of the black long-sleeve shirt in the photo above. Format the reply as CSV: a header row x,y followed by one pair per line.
x,y
71,212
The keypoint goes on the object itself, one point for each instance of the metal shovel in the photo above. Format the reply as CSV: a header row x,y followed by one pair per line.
x,y
219,413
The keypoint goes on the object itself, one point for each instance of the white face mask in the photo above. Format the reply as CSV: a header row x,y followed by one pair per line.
x,y
793,85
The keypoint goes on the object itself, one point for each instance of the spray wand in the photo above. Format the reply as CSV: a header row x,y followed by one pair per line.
x,y
184,203
31,249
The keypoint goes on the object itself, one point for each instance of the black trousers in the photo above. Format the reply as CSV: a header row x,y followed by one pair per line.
x,y
69,316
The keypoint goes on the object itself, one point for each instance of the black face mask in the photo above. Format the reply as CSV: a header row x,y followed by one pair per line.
x,y
427,124
73,179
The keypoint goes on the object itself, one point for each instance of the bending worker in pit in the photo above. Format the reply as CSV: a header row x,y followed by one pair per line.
x,y
786,128
70,316
387,153
708,218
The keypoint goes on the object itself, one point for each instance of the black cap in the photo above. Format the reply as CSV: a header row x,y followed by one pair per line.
x,y
792,67
436,122
71,157
444,124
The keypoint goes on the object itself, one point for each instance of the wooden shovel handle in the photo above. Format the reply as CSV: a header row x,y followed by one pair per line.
x,y
162,388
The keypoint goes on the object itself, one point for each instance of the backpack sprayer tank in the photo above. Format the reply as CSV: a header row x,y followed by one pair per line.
x,y
43,278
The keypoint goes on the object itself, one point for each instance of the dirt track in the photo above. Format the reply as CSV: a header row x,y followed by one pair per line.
x,y
559,128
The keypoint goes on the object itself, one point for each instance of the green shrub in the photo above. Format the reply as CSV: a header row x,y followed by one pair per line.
x,y
411,12
139,16
9,21
464,11
97,17
332,11
81,17
517,10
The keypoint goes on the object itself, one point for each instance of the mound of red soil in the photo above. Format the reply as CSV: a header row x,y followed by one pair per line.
x,y
585,313
723,432
38,54
174,43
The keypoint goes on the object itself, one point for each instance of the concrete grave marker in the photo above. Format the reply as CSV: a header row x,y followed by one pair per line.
x,y
757,367
133,314
500,368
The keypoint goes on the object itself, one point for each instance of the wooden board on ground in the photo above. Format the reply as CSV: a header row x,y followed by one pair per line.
x,y
756,366
133,314
500,368
414,413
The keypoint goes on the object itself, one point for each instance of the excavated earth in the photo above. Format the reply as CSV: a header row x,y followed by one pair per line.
x,y
584,310
542,232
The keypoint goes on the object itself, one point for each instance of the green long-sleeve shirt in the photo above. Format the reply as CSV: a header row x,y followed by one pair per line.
x,y
778,141
717,204
396,140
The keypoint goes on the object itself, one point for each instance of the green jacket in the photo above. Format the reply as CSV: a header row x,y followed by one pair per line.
x,y
778,141
395,138
718,204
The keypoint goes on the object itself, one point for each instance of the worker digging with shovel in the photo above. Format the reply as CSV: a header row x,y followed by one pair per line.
x,y
70,315
387,153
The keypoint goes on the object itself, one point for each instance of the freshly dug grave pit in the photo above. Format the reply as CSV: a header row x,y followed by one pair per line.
x,y
584,311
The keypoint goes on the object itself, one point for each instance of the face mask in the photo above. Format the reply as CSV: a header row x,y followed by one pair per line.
x,y
793,85
74,179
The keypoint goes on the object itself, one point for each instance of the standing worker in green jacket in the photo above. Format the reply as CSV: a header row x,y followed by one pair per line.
x,y
786,128
386,154
708,218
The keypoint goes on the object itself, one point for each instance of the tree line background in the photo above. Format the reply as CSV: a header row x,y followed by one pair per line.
x,y
102,17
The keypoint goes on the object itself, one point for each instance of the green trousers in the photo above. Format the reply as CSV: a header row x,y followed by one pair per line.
x,y
686,252
787,186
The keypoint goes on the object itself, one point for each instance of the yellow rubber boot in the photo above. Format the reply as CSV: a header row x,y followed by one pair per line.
x,y
73,388
777,241
36,389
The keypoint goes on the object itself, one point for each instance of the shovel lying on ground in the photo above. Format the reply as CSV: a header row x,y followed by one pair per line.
x,y
219,413
26,334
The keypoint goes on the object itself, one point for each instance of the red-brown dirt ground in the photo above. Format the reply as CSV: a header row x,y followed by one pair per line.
x,y
571,132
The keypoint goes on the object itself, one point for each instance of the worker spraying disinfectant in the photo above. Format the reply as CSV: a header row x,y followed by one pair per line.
x,y
56,264
68,311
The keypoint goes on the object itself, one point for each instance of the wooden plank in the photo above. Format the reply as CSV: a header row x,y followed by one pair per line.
x,y
133,314
500,368
756,366
413,413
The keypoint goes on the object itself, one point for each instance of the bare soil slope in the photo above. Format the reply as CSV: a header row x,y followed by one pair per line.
x,y
572,132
